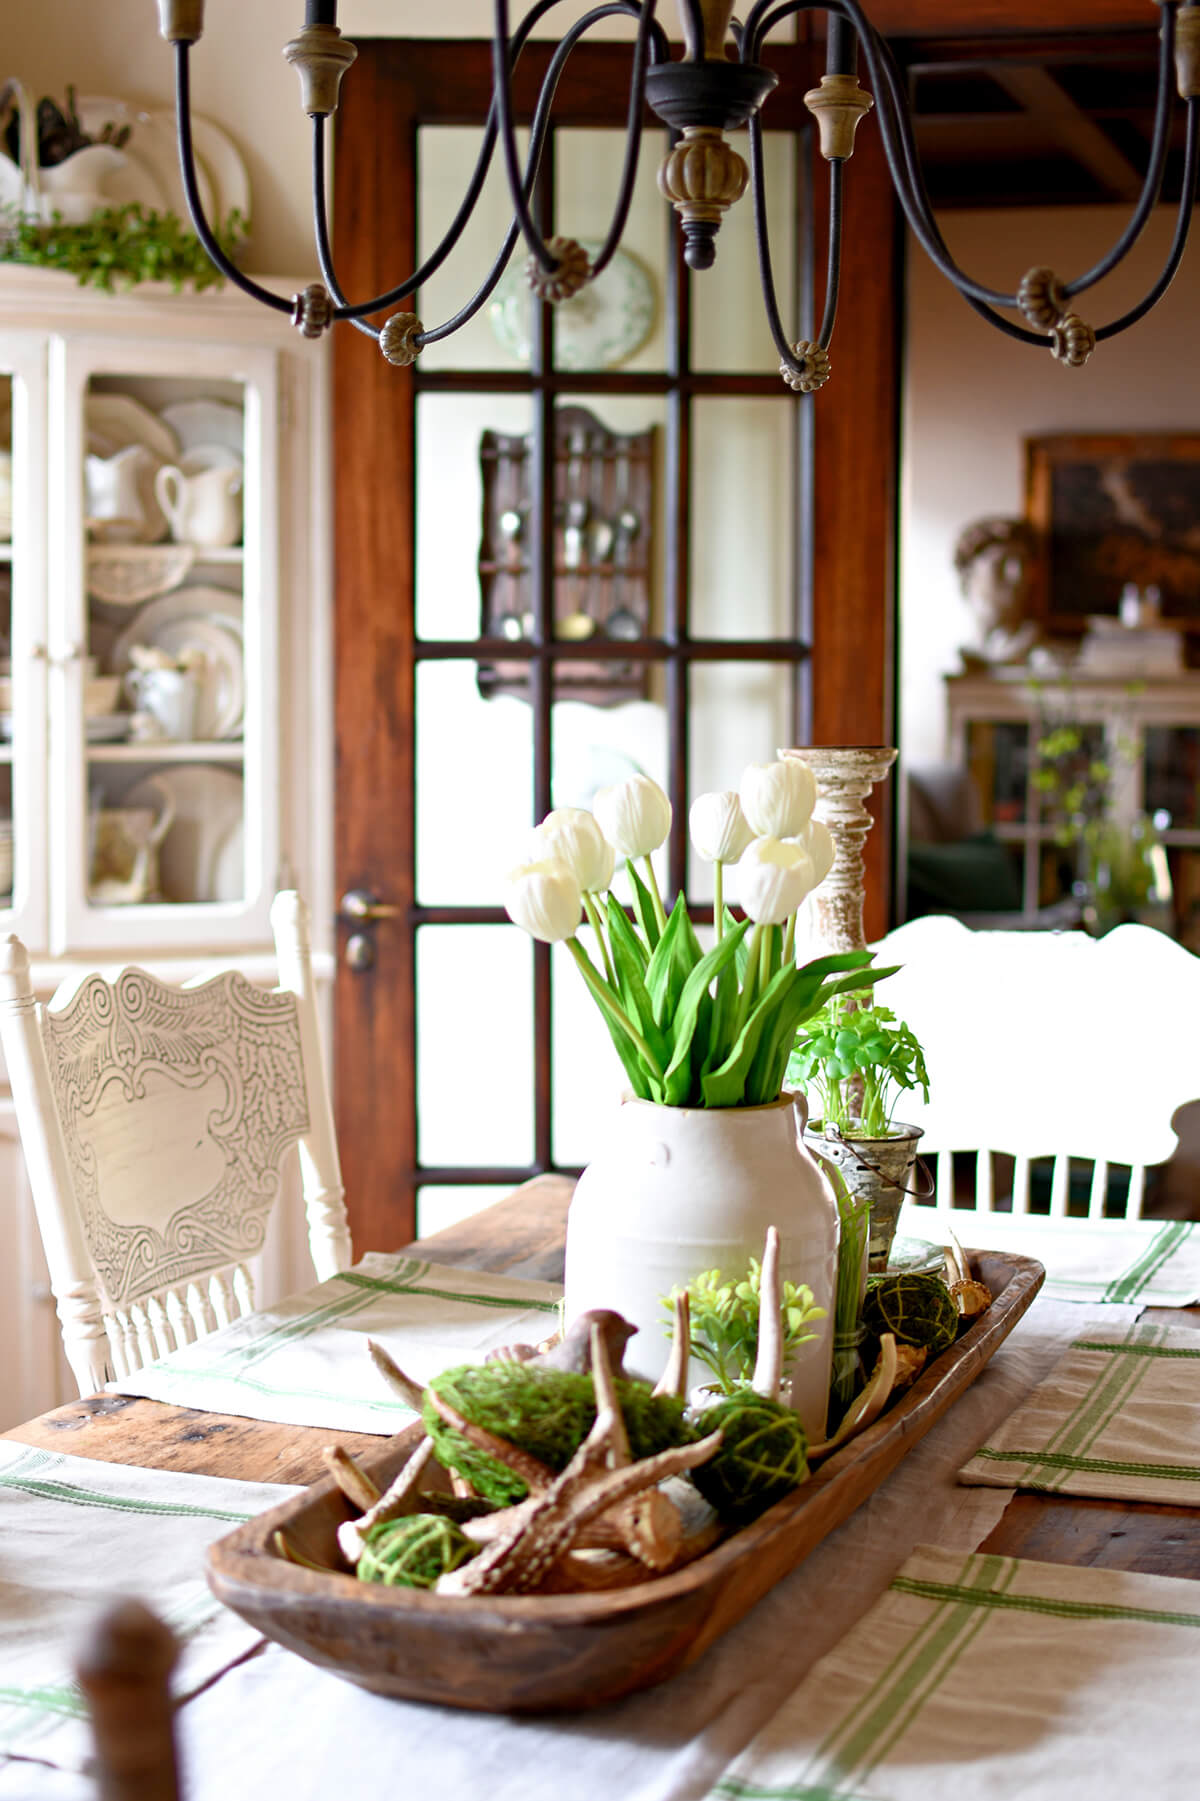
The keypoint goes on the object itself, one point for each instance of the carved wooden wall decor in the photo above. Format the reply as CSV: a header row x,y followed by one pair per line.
x,y
603,533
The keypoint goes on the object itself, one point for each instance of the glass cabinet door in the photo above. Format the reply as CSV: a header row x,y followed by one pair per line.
x,y
22,638
163,642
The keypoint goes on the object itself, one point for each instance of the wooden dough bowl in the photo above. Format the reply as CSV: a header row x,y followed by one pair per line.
x,y
540,1653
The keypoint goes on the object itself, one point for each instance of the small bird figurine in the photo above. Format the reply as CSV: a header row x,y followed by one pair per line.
x,y
574,1350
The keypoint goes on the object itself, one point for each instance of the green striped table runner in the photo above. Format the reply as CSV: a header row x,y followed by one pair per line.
x,y
1155,1263
992,1677
74,1535
1118,1417
304,1360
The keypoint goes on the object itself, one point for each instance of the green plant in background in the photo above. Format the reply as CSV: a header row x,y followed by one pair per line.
x,y
856,1061
1119,869
724,1319
120,246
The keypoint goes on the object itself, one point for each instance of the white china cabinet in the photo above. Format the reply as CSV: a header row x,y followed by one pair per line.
x,y
165,712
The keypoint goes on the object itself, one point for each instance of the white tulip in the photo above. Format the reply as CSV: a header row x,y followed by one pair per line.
x,y
773,878
544,899
820,849
635,816
719,828
778,798
571,835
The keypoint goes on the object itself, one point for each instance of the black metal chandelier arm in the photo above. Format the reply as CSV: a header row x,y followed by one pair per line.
x,y
766,273
458,224
1183,219
833,264
521,186
341,308
191,189
502,92
633,130
537,138
1155,168
1009,327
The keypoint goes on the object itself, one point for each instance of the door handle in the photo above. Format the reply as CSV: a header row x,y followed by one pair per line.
x,y
361,907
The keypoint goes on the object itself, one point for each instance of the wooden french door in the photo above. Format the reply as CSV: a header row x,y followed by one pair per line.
x,y
832,654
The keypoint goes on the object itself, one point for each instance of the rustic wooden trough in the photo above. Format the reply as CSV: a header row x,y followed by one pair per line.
x,y
537,1653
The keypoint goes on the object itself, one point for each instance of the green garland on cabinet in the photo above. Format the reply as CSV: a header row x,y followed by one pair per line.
x,y
120,246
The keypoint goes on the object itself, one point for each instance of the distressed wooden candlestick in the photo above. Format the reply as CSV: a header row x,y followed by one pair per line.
x,y
845,775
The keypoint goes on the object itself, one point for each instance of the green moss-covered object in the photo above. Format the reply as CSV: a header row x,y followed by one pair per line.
x,y
547,1412
761,1458
916,1309
414,1551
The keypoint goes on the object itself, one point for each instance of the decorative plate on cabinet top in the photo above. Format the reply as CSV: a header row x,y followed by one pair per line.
x,y
151,175
217,156
598,328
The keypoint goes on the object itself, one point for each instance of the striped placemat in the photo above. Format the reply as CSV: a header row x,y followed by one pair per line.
x,y
1118,1417
304,1361
1155,1263
992,1677
75,1535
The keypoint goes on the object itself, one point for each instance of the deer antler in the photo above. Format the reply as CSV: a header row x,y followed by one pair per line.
x,y
599,1477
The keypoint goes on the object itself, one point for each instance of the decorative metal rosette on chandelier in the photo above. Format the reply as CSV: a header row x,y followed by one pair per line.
x,y
717,86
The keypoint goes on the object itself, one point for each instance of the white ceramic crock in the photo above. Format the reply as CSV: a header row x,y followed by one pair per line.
x,y
678,1190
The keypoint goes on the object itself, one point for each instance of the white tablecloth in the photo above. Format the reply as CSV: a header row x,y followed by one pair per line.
x,y
75,1533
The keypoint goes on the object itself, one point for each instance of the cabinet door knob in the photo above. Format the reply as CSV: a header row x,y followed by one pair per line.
x,y
361,907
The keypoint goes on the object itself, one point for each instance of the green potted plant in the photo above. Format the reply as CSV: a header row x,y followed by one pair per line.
x,y
854,1063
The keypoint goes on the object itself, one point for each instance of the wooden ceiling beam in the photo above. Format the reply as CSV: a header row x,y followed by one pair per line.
x,y
1056,114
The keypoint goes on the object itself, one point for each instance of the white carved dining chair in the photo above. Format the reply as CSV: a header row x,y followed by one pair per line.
x,y
1054,1049
155,1121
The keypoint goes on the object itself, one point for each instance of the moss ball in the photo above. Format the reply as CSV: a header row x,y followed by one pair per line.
x,y
916,1309
414,1551
761,1458
546,1412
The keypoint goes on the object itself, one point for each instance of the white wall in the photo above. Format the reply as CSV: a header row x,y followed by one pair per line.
x,y
972,394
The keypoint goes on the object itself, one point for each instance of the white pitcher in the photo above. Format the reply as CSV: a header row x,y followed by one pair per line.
x,y
204,508
113,494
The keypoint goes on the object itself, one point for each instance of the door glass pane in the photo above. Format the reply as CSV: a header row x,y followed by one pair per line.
x,y
743,555
588,1078
740,713
443,1204
446,156
474,785
163,681
729,326
472,515
617,322
475,1033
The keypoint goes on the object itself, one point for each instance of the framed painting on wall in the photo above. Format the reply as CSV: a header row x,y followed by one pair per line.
x,y
1112,510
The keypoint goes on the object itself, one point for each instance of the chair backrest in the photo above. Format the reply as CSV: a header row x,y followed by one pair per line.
x,y
155,1121
1047,1045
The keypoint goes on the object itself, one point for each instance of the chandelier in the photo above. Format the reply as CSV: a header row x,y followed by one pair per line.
x,y
718,85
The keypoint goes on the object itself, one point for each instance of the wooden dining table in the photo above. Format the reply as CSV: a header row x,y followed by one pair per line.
x,y
524,1235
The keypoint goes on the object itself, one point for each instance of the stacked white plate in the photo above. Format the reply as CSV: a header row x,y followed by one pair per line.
x,y
208,620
